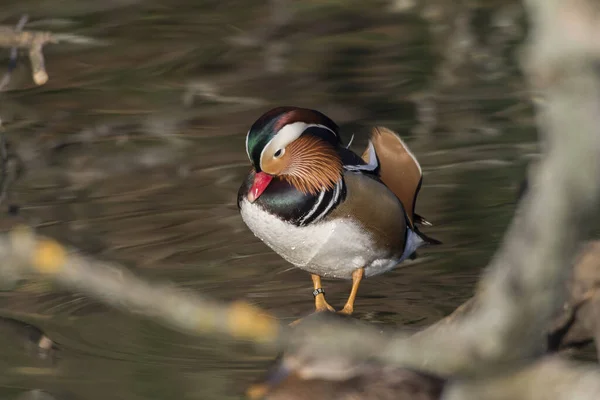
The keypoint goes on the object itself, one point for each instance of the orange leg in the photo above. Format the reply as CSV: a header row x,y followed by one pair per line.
x,y
356,278
320,302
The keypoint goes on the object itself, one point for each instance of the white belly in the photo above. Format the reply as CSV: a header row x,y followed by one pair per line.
x,y
330,249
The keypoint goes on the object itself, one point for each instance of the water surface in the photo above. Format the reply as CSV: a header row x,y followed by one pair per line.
x,y
134,151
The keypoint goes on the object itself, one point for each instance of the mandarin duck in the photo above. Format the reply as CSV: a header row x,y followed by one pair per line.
x,y
325,209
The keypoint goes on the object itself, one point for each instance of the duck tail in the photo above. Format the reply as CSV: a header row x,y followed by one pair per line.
x,y
415,240
428,240
418,219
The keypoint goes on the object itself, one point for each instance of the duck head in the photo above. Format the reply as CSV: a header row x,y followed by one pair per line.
x,y
297,145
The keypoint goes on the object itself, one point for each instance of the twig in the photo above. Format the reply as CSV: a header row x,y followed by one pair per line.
x,y
14,55
34,41
5,178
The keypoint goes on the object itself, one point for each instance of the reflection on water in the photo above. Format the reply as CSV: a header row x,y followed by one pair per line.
x,y
134,152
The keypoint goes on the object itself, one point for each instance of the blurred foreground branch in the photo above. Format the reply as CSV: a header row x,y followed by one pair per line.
x,y
524,286
22,253
549,378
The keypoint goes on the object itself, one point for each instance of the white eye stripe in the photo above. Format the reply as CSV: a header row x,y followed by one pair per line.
x,y
287,135
314,208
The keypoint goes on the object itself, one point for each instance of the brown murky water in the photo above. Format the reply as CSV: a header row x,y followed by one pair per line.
x,y
134,152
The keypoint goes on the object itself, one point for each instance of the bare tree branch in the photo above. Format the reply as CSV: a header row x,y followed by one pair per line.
x,y
113,285
34,41
14,55
524,285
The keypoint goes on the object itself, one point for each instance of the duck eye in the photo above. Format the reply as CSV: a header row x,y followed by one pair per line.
x,y
278,153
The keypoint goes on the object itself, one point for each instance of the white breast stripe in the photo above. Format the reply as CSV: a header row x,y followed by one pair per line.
x,y
314,207
333,201
371,166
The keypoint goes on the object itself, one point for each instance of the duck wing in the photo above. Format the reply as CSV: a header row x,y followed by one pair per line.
x,y
399,169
